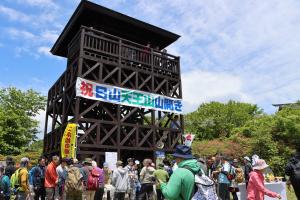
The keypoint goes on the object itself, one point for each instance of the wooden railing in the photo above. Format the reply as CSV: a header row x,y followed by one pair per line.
x,y
124,51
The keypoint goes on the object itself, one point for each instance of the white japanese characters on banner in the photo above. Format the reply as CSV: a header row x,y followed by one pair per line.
x,y
135,98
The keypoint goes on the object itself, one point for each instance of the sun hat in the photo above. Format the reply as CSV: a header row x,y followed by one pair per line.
x,y
137,162
94,163
25,159
87,161
247,158
75,161
260,164
254,159
119,163
183,151
105,164
69,161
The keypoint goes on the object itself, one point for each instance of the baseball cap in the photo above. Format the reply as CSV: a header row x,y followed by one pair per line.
x,y
119,163
25,159
105,164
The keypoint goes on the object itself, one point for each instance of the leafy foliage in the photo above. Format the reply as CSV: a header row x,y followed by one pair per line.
x,y
17,126
233,147
215,119
33,152
239,129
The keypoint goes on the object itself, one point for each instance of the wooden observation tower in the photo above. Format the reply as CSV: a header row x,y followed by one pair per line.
x,y
107,47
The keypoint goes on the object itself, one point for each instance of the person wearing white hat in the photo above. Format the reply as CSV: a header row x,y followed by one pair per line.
x,y
256,189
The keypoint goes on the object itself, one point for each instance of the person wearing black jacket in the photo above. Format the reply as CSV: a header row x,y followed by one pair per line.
x,y
248,169
10,166
293,171
38,179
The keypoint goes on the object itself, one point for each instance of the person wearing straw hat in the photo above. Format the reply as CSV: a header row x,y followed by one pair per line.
x,y
256,189
182,181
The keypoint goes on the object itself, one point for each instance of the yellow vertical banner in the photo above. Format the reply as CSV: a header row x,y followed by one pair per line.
x,y
68,142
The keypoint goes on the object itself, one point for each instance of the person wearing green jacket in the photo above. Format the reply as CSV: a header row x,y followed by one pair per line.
x,y
182,181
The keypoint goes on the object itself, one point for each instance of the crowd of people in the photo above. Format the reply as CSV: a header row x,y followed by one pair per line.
x,y
70,179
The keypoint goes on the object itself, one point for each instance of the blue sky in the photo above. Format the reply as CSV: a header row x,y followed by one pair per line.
x,y
230,49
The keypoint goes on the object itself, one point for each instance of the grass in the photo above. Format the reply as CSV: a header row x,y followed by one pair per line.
x,y
291,195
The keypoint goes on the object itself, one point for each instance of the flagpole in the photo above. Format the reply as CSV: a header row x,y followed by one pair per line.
x,y
75,149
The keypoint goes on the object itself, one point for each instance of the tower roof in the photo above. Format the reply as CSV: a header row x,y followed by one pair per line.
x,y
93,15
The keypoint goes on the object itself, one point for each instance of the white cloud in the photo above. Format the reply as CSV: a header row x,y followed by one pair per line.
x,y
21,50
14,15
39,3
49,36
17,34
204,86
32,44
37,80
231,49
41,118
256,41
44,50
46,36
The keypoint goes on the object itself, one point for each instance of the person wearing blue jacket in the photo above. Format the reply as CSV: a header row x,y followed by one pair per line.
x,y
4,185
37,179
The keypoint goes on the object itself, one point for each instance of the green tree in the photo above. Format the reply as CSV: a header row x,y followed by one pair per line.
x,y
274,137
287,127
17,124
215,119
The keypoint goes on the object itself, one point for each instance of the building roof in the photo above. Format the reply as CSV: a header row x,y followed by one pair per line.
x,y
93,15
282,104
290,105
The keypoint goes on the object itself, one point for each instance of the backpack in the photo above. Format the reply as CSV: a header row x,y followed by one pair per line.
x,y
15,179
93,180
204,187
1,188
239,177
231,174
73,180
38,177
296,170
